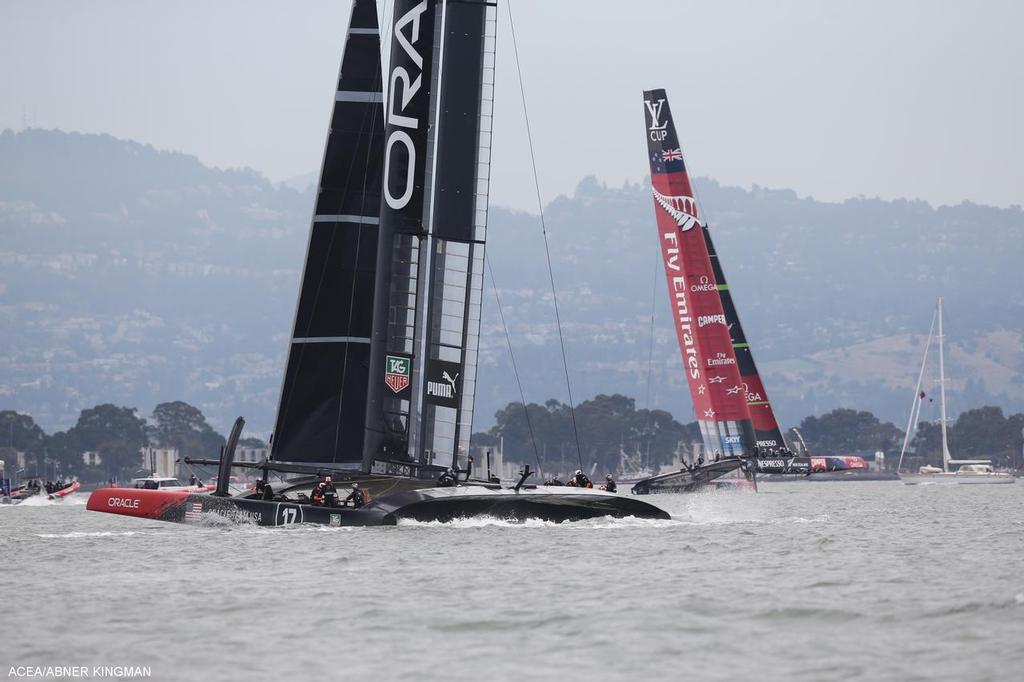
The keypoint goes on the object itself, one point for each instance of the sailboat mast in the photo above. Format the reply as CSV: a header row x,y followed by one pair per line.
x,y
915,407
942,392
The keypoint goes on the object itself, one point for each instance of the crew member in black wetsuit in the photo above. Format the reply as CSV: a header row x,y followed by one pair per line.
x,y
447,479
356,497
553,481
324,493
609,484
580,480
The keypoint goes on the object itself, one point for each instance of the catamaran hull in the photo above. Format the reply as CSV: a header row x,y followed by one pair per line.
x,y
427,504
690,480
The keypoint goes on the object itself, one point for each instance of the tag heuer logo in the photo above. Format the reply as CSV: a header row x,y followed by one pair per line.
x,y
396,373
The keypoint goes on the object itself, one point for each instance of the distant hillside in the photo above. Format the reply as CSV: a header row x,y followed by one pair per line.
x,y
135,276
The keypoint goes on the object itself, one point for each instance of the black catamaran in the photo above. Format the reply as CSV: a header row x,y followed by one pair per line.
x,y
382,364
737,423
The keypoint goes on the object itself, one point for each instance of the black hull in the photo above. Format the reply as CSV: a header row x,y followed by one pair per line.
x,y
557,504
686,480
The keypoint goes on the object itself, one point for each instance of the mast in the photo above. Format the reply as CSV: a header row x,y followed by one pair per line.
x,y
716,387
429,278
915,407
323,393
942,392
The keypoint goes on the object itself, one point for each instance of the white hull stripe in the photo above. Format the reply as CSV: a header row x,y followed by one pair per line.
x,y
363,32
331,339
358,219
356,96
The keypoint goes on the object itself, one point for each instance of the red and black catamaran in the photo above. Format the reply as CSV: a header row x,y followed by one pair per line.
x,y
737,423
382,364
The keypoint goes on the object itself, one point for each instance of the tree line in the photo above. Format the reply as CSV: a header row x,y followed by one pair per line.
x,y
611,429
607,429
117,434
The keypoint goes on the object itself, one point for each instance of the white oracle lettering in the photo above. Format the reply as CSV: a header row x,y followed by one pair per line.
x,y
408,90
123,502
410,87
411,17
403,137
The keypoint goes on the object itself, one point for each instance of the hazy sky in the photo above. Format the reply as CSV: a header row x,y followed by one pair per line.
x,y
832,99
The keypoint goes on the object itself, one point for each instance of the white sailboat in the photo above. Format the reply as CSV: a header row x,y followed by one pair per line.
x,y
963,471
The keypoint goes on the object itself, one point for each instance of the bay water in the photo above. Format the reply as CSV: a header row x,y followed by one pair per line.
x,y
800,581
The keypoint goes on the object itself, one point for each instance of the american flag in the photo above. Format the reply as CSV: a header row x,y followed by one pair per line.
x,y
194,511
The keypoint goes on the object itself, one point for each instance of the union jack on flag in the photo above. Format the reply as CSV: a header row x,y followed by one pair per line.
x,y
672,155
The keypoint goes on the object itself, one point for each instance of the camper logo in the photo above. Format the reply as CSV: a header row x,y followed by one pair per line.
x,y
397,370
682,209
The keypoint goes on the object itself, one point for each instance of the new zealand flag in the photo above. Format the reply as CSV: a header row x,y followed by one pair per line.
x,y
667,161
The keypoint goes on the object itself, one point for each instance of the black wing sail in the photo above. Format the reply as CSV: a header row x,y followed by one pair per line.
x,y
433,223
323,400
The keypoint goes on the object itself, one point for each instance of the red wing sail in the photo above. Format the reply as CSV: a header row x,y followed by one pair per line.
x,y
766,428
719,398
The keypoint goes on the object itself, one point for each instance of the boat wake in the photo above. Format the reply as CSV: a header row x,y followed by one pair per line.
x,y
600,523
82,534
73,500
705,510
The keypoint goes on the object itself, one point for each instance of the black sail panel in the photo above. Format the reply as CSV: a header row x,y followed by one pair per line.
x,y
323,397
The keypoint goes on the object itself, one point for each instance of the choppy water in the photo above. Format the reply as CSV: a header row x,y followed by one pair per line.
x,y
803,581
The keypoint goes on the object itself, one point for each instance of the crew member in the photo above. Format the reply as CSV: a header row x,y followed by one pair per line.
x,y
609,484
580,480
324,493
700,460
356,497
447,479
553,481
192,480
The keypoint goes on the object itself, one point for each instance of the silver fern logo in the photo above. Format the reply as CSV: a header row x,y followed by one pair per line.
x,y
682,209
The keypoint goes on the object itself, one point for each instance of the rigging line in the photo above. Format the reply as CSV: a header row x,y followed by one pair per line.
x,y
650,348
515,369
544,231
917,400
